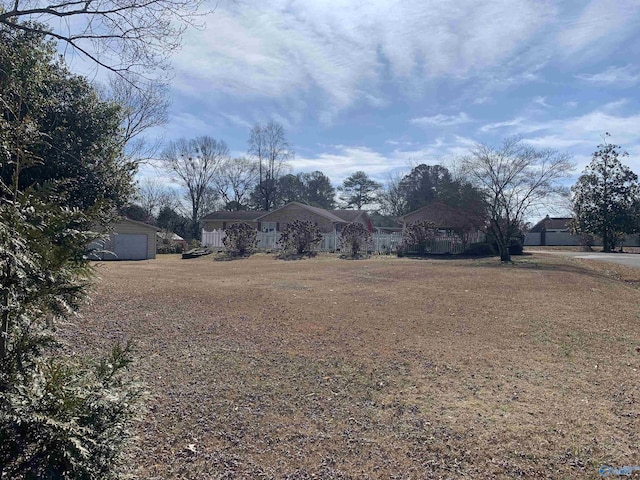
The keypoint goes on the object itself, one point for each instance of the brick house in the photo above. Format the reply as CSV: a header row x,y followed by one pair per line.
x,y
450,221
328,221
219,220
269,224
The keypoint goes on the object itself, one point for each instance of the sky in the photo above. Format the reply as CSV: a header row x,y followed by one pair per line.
x,y
381,85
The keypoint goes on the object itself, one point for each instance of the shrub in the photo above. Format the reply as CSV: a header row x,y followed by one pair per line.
x,y
241,239
64,418
356,237
480,249
586,242
417,238
516,246
164,248
300,236
59,417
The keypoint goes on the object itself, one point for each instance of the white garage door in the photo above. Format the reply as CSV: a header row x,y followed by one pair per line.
x,y
128,246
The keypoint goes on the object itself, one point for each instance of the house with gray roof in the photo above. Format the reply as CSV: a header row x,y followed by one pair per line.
x,y
272,222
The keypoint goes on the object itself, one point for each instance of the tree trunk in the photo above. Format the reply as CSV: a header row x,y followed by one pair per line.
x,y
503,249
606,244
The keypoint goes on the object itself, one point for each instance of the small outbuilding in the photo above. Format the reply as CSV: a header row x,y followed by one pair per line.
x,y
130,240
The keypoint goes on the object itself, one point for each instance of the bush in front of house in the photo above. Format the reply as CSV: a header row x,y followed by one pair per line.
x,y
516,244
417,238
587,242
241,239
300,237
355,237
164,248
480,249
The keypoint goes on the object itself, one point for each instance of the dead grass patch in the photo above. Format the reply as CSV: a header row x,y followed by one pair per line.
x,y
381,368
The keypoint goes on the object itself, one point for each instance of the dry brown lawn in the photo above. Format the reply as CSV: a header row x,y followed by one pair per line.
x,y
378,368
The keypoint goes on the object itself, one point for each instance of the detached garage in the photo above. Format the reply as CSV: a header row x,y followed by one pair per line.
x,y
131,240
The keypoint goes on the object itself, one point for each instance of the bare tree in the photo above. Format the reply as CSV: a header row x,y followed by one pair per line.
x,y
392,199
270,148
120,35
153,196
516,179
236,178
195,164
144,105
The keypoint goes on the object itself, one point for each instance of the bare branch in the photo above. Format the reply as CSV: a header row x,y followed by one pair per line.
x,y
516,179
119,35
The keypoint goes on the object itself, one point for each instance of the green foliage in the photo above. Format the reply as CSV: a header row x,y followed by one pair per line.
x,y
359,190
66,419
241,239
313,189
417,238
168,219
318,190
60,177
300,236
55,129
134,212
169,248
59,418
290,189
426,184
605,198
355,237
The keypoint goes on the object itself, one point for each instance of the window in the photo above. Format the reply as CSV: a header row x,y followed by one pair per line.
x,y
268,227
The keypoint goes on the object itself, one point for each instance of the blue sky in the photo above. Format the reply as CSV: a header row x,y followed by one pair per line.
x,y
381,85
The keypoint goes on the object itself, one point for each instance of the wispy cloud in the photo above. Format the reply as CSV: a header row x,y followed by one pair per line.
x,y
622,77
343,160
336,54
508,124
601,24
441,120
542,101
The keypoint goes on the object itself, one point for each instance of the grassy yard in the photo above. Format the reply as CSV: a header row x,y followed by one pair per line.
x,y
380,368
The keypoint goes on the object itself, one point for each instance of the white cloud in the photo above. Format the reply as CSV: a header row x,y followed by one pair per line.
x,y
337,53
601,24
345,159
237,120
578,134
508,124
622,77
542,101
441,120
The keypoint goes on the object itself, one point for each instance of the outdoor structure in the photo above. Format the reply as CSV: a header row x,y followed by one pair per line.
x,y
554,231
451,222
128,240
270,224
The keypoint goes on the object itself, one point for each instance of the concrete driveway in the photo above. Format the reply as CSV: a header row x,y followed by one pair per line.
x,y
629,259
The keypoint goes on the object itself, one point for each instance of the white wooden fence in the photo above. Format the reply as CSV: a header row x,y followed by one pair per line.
x,y
380,242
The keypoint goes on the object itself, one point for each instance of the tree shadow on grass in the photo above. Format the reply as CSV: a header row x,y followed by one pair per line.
x,y
593,271
227,257
345,256
295,256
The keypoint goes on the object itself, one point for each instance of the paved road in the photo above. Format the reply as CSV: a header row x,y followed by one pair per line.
x,y
629,259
